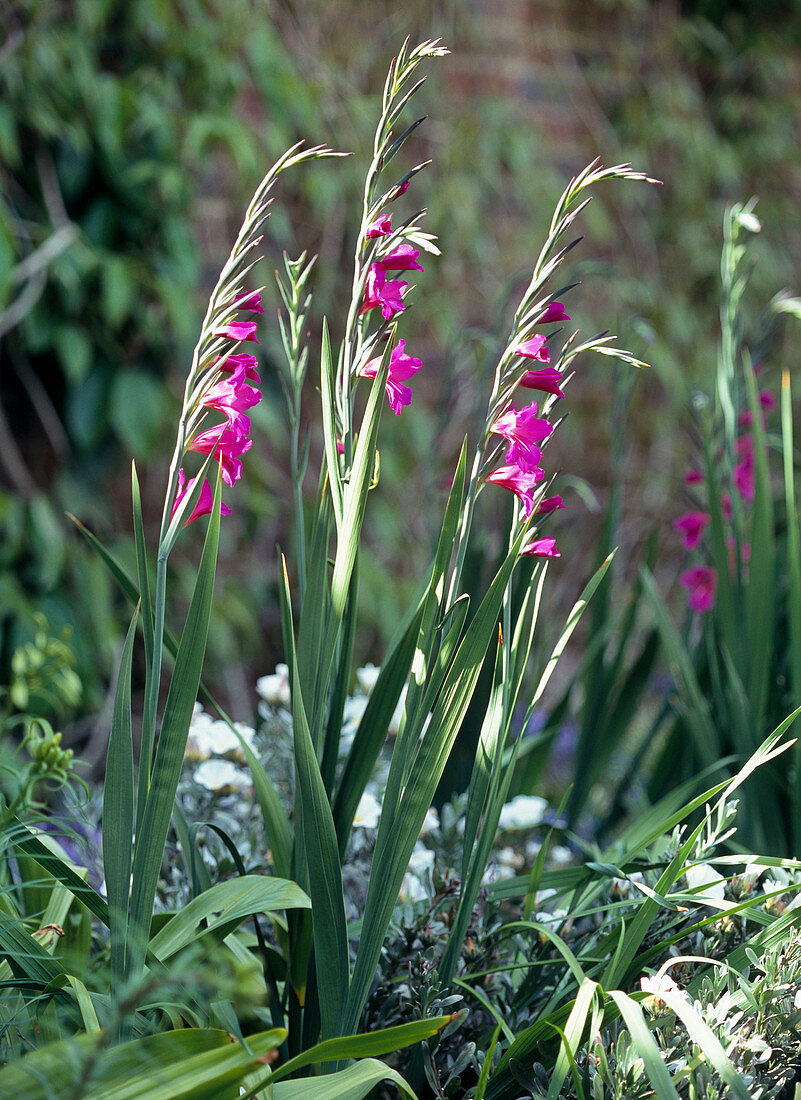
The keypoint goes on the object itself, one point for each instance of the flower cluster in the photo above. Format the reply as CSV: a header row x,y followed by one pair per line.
x,y
524,430
225,390
701,580
386,295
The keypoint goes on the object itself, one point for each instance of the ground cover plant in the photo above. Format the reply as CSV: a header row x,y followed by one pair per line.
x,y
242,931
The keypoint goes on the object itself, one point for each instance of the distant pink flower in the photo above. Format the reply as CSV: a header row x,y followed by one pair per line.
x,y
725,507
340,446
240,360
744,473
231,395
550,504
239,330
205,501
381,227
523,483
251,302
745,550
535,348
691,525
402,258
387,294
229,442
524,430
746,418
767,400
554,312
404,187
401,369
541,548
701,582
693,477
547,380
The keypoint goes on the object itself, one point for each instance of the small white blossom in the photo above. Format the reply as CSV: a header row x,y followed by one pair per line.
x,y
221,775
275,689
422,860
523,812
430,822
367,812
705,876
366,677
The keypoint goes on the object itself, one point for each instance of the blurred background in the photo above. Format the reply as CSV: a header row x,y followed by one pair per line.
x,y
132,133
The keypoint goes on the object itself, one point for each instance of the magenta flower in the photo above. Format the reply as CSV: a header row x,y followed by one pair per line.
x,y
205,502
767,400
228,442
744,472
381,227
535,348
745,551
691,525
701,582
524,430
383,293
239,330
547,380
541,548
404,187
233,361
693,477
554,312
725,507
251,302
550,504
231,395
401,369
523,483
402,258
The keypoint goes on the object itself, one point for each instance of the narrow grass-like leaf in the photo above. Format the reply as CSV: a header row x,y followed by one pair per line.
x,y
26,956
318,838
645,1045
118,812
151,832
327,389
146,612
224,904
353,1083
703,1035
27,841
574,1029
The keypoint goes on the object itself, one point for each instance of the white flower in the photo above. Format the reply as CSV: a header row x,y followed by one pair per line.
x,y
221,775
367,812
411,889
275,689
505,863
704,875
422,860
397,714
217,739
430,822
366,677
658,985
352,713
523,812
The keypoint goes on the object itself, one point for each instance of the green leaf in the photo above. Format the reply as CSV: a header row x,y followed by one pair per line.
x,y
225,904
151,831
118,812
352,1083
184,1064
702,1034
148,726
645,1045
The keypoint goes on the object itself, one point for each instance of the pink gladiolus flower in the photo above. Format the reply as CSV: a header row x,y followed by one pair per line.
x,y
524,430
381,227
744,472
228,441
523,483
547,380
240,360
401,369
535,348
404,187
550,504
231,395
251,302
205,501
693,477
701,582
381,292
746,418
725,507
542,548
402,258
691,525
239,330
767,400
745,550
554,312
